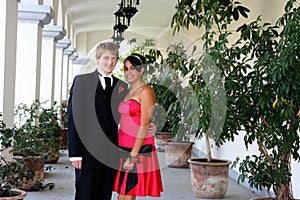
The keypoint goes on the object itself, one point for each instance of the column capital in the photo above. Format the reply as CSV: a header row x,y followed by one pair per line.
x,y
30,13
82,61
63,43
53,32
74,56
69,51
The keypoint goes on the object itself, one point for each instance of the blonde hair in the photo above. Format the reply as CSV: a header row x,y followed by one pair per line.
x,y
106,46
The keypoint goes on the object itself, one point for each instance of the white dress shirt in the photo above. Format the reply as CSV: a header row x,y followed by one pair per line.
x,y
101,77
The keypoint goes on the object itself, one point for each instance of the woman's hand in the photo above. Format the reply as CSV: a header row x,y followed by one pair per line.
x,y
128,165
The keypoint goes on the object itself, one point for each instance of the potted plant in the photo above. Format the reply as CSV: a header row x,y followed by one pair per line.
x,y
11,173
179,149
269,110
206,74
41,127
63,109
166,116
35,140
261,82
50,133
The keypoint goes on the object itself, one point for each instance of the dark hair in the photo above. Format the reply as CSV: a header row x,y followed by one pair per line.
x,y
137,60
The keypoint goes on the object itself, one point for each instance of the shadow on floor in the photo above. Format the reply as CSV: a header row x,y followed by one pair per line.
x,y
176,183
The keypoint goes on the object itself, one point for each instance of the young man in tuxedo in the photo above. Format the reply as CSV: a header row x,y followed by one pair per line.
x,y
93,126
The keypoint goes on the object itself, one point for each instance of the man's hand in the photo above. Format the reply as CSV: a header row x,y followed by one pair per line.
x,y
152,128
77,164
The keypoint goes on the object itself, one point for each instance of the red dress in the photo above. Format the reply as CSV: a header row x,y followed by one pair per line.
x,y
147,179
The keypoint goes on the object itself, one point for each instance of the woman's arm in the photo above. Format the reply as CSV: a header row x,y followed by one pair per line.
x,y
147,98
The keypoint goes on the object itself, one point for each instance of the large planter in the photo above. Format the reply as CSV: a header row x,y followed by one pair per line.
x,y
160,140
178,154
209,179
54,156
35,163
16,195
64,139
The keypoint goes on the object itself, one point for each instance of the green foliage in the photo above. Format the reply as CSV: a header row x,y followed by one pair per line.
x,y
172,72
164,76
270,107
11,173
260,71
146,49
63,111
168,101
39,131
209,15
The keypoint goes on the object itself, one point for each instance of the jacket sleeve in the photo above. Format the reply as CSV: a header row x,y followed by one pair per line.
x,y
75,146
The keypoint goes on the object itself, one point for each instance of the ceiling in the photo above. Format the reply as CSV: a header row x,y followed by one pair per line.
x,y
96,15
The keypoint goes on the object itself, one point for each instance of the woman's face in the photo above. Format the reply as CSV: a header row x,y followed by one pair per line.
x,y
130,73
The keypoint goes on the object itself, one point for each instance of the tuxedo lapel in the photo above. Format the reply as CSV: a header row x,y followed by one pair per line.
x,y
106,105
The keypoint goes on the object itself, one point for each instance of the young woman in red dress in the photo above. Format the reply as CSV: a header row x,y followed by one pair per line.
x,y
139,172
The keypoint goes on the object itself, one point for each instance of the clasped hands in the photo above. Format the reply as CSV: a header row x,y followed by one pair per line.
x,y
128,165
130,162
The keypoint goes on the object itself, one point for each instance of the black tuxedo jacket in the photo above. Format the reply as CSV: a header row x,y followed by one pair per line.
x,y
93,120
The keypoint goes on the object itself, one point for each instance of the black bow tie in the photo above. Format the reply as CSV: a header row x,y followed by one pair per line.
x,y
107,82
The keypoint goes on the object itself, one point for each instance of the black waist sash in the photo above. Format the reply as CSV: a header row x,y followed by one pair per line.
x,y
132,177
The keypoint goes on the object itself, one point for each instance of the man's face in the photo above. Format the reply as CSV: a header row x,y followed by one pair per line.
x,y
107,62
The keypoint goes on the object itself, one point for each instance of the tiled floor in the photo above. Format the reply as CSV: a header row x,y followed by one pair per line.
x,y
176,182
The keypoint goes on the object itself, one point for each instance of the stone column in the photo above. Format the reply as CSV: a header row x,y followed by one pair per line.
x,y
60,46
8,44
32,19
78,65
65,74
51,34
73,57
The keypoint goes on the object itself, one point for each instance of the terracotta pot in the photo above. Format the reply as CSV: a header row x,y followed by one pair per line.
x,y
160,140
35,163
17,195
64,140
54,156
209,179
178,154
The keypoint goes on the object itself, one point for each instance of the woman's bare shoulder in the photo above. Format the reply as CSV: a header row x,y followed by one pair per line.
x,y
147,92
147,89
